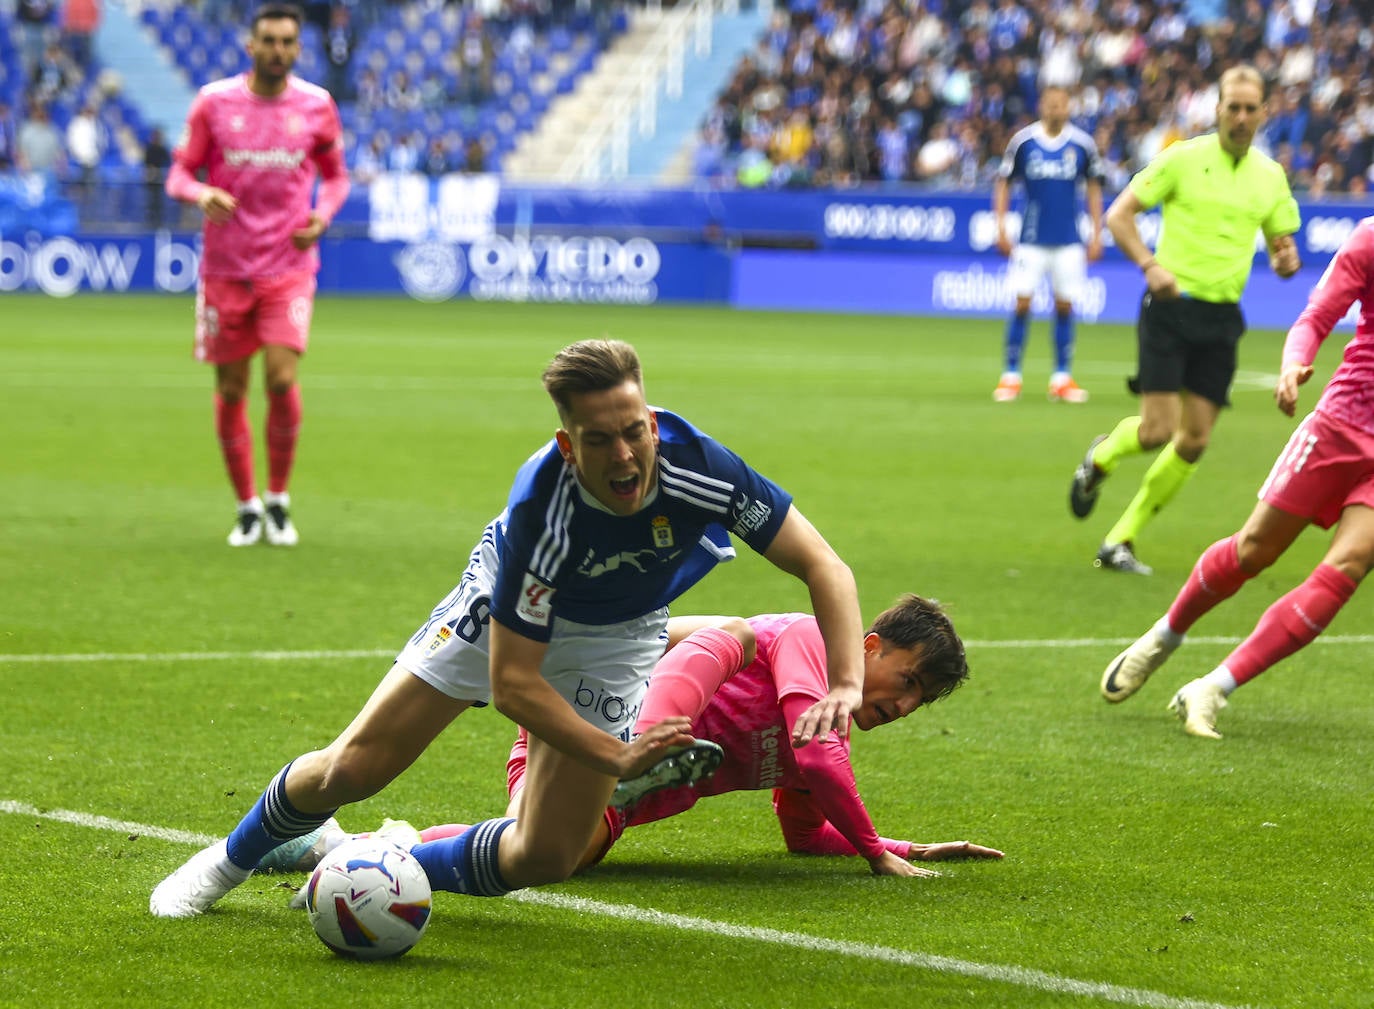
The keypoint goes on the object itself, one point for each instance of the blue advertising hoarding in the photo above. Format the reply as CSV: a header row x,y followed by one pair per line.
x,y
869,250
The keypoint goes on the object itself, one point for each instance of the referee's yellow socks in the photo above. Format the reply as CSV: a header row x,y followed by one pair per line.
x,y
1124,441
1165,477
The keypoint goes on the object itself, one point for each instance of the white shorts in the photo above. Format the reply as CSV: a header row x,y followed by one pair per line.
x,y
1065,265
602,670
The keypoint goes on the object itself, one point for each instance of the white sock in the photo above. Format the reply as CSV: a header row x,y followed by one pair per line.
x,y
253,504
1167,636
283,499
1221,677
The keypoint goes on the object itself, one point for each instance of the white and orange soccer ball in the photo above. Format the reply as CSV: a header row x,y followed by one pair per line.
x,y
368,899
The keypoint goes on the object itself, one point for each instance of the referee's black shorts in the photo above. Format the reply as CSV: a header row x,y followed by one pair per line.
x,y
1188,344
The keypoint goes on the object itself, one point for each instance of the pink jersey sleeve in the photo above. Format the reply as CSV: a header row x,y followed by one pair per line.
x,y
806,831
824,763
1347,279
329,162
190,155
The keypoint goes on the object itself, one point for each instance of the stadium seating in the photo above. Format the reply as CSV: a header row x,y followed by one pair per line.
x,y
528,68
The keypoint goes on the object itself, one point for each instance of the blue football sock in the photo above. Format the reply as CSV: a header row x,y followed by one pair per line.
x,y
466,863
1016,342
271,821
1063,344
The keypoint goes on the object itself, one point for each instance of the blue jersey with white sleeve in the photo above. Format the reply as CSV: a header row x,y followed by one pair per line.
x,y
1050,169
562,553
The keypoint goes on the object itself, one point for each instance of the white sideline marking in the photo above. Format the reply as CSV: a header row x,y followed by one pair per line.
x,y
379,653
1024,977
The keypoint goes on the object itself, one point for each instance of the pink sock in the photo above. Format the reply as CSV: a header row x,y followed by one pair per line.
x,y
1216,577
1292,622
283,427
687,676
236,444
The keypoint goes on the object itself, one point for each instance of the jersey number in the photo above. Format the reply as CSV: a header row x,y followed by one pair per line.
x,y
469,626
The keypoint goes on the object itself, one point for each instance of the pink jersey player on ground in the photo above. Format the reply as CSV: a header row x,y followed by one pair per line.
x,y
260,139
744,684
1324,476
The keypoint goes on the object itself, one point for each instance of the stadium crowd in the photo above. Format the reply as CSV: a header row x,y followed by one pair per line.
x,y
835,93
839,92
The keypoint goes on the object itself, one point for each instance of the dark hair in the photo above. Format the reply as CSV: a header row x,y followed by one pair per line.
x,y
272,11
590,366
920,624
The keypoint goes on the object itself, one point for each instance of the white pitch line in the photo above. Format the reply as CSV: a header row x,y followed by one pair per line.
x,y
1023,977
277,656
379,653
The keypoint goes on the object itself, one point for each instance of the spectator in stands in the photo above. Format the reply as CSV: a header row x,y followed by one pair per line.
x,y
35,19
80,19
474,156
475,56
371,159
85,146
157,158
9,138
438,160
370,95
39,145
55,75
405,153
339,42
937,160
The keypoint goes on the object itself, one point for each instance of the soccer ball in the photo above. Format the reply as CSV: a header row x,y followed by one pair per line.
x,y
368,899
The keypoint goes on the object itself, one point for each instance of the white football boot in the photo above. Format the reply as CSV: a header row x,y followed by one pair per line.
x,y
1128,672
206,877
1197,704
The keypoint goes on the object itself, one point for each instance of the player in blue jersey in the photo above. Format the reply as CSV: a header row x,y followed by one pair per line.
x,y
558,620
1050,158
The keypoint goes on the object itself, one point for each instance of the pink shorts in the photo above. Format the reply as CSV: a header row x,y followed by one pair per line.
x,y
515,780
1325,467
237,318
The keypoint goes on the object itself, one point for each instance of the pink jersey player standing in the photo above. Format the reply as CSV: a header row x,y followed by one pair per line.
x,y
1324,476
260,138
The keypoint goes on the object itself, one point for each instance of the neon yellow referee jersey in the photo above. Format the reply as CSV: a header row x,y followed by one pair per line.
x,y
1212,207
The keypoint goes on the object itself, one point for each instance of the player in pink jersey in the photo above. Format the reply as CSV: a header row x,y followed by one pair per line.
x,y
1325,476
260,139
744,684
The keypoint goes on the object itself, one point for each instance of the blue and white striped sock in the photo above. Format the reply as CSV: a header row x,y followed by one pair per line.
x,y
271,821
466,863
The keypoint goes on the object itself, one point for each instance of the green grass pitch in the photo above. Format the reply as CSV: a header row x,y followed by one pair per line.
x,y
155,679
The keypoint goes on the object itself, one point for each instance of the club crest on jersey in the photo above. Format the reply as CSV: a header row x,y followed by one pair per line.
x,y
749,514
663,532
535,605
236,123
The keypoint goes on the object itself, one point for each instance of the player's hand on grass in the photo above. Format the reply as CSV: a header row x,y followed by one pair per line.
x,y
888,864
942,851
216,204
644,751
1292,377
831,712
310,234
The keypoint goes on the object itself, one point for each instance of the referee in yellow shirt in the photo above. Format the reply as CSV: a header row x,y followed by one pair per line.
x,y
1215,193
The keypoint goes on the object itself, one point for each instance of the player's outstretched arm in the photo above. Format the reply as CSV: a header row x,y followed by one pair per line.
x,y
800,550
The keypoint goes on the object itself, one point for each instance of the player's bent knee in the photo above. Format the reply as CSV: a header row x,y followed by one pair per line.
x,y
353,774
